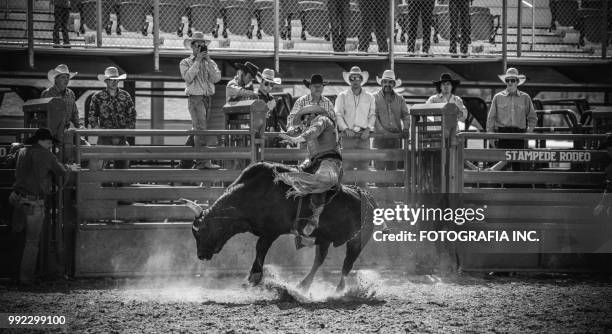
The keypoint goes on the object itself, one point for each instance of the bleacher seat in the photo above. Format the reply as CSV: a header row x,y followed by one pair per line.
x,y
315,19
237,14
170,15
483,25
203,17
132,16
563,13
88,13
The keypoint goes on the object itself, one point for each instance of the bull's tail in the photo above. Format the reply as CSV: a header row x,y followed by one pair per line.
x,y
368,204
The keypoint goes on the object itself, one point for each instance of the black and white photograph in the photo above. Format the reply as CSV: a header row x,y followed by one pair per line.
x,y
289,166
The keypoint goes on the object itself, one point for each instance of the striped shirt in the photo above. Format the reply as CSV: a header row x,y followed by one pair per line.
x,y
307,100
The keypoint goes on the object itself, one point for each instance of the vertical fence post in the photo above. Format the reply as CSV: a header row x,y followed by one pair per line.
x,y
276,36
519,29
391,32
156,35
30,33
604,29
533,5
99,23
504,35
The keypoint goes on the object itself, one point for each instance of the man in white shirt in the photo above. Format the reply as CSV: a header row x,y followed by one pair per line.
x,y
355,115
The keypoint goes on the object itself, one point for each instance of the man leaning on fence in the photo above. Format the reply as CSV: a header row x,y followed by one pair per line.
x,y
200,74
59,78
391,116
112,108
241,86
355,114
33,183
511,112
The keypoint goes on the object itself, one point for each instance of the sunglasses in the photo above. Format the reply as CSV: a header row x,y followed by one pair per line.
x,y
355,78
511,80
268,84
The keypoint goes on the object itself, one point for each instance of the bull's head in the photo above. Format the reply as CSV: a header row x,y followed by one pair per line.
x,y
204,236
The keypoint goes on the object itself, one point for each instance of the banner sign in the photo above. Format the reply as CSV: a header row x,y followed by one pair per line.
x,y
548,156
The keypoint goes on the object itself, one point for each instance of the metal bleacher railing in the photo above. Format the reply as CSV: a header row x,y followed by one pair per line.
x,y
539,28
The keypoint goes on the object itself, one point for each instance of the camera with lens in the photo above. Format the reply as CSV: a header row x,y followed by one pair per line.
x,y
203,48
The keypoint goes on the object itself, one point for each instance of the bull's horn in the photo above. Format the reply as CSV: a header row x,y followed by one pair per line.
x,y
195,228
197,210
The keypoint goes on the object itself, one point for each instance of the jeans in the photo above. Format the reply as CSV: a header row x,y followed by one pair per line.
x,y
339,21
425,10
109,140
61,16
358,143
459,11
29,215
374,16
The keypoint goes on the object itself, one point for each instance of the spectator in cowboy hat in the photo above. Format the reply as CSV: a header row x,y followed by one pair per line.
x,y
355,114
604,207
511,112
241,86
112,108
316,84
446,88
391,116
33,183
59,78
267,81
200,74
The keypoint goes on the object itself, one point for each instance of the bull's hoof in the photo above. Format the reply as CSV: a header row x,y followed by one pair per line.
x,y
255,278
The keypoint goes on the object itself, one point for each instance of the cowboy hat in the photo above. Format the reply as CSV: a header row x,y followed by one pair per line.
x,y
60,69
268,75
447,77
315,79
513,73
111,73
41,134
355,70
197,36
310,109
389,75
248,67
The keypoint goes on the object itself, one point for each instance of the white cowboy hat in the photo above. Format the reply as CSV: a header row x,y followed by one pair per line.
x,y
356,70
60,69
389,75
268,75
513,73
111,73
197,36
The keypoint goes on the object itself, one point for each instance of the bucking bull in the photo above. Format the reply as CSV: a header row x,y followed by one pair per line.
x,y
255,203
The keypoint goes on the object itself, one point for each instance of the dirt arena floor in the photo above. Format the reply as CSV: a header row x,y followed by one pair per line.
x,y
374,302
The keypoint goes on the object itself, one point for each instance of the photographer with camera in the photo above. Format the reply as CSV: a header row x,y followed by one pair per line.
x,y
200,74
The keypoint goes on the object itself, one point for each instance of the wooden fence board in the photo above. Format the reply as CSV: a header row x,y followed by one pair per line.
x,y
565,178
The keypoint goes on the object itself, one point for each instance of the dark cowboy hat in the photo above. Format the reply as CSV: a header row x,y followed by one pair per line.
x,y
248,67
41,134
314,80
447,77
607,142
